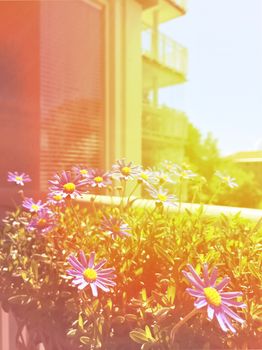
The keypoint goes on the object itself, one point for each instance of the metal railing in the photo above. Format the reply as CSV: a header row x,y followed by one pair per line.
x,y
164,122
181,3
166,51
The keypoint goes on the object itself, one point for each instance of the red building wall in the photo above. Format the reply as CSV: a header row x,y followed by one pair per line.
x,y
51,90
19,94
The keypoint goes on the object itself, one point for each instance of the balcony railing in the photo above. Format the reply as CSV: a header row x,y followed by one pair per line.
x,y
180,3
152,3
163,122
164,50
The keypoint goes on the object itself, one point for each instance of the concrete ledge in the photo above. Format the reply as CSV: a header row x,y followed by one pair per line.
x,y
208,210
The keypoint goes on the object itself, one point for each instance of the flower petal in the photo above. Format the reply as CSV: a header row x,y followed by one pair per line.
x,y
201,302
223,283
91,260
221,321
83,258
230,295
195,293
213,277
229,324
94,289
74,273
83,285
234,303
106,281
205,272
100,264
75,263
78,281
106,272
195,275
101,286
232,314
210,312
192,280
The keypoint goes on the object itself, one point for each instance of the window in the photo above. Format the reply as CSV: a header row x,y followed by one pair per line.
x,y
71,86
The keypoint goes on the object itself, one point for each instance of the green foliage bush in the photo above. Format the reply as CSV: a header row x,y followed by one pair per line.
x,y
149,298
202,154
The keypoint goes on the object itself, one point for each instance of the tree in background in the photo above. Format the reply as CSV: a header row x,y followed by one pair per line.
x,y
203,156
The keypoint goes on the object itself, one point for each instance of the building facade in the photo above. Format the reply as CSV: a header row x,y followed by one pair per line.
x,y
75,88
250,161
164,130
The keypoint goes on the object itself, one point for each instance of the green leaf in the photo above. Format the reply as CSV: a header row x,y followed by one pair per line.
x,y
71,333
119,319
85,340
139,271
18,299
148,332
41,257
162,313
146,346
130,317
80,321
171,293
138,336
161,252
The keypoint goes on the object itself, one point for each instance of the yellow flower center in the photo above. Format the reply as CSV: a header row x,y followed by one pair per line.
x,y
115,228
35,207
144,176
98,179
90,275
126,170
83,171
57,197
18,178
69,187
162,197
41,223
162,179
212,296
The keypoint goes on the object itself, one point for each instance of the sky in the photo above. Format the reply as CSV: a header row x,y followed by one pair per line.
x,y
223,94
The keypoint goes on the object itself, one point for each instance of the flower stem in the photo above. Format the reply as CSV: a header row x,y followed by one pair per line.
x,y
75,214
93,205
180,194
182,322
128,199
123,181
216,192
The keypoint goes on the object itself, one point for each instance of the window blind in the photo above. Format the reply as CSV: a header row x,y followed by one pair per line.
x,y
71,86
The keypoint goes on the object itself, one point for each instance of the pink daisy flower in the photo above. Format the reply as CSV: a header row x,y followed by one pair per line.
x,y
83,171
146,177
115,227
125,170
211,294
182,173
98,179
162,177
43,222
68,184
19,179
32,206
86,273
162,197
56,199
226,180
